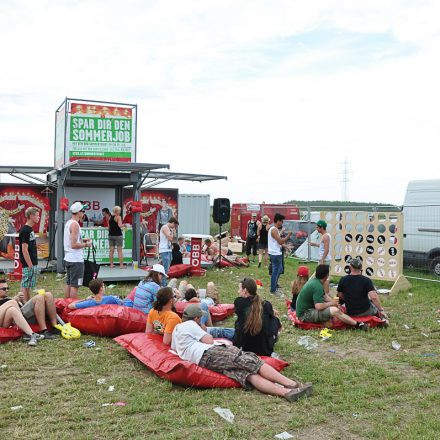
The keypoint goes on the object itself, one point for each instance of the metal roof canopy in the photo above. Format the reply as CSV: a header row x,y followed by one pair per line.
x,y
19,171
158,177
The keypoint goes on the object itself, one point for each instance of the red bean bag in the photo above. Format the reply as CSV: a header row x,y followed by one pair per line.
x,y
225,263
107,320
334,323
13,333
155,355
197,272
218,312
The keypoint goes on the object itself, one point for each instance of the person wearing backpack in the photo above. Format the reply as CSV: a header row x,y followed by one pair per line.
x,y
257,325
252,236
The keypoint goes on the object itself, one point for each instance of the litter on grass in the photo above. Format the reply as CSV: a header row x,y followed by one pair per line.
x,y
225,413
111,286
2,367
101,381
406,327
114,404
16,408
284,435
428,355
331,350
308,342
383,291
425,335
89,344
111,388
395,345
325,334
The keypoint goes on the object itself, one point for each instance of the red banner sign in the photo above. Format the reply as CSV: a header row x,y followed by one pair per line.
x,y
196,252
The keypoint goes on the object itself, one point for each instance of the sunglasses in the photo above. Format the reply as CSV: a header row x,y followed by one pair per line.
x,y
5,289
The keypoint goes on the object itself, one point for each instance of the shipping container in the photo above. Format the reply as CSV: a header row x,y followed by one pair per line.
x,y
241,213
194,214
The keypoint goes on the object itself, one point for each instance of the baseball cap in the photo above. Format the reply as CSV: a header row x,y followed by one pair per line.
x,y
77,207
193,311
321,224
254,214
303,271
160,269
356,263
265,219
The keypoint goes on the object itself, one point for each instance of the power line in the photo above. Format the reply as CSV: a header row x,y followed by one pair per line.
x,y
345,179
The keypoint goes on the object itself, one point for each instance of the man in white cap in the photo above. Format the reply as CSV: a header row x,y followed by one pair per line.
x,y
73,249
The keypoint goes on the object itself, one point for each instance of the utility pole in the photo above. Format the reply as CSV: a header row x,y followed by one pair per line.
x,y
345,179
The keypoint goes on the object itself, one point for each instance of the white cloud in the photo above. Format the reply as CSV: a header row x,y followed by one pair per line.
x,y
216,96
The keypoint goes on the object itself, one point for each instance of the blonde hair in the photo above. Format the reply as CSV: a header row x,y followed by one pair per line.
x,y
30,211
298,284
116,210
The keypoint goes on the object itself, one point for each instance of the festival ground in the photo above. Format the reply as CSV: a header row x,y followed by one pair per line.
x,y
363,388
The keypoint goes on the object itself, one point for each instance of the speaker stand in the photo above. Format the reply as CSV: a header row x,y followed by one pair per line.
x,y
220,245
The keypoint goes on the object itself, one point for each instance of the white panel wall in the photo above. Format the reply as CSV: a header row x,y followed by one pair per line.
x,y
194,213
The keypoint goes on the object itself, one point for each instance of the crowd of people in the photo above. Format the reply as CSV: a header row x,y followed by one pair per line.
x,y
194,337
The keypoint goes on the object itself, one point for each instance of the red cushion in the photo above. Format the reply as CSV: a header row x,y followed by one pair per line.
x,y
225,263
13,333
179,270
334,323
218,312
155,355
106,320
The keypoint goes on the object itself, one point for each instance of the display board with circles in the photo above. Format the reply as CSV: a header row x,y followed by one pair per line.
x,y
374,237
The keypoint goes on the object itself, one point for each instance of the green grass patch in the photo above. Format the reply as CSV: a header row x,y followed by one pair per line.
x,y
364,389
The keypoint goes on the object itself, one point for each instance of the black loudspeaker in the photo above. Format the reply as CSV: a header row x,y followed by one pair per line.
x,y
221,211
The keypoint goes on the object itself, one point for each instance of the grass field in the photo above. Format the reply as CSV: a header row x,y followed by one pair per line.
x,y
364,389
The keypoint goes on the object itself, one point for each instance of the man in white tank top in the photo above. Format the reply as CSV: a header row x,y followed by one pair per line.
x,y
274,244
166,236
324,256
73,250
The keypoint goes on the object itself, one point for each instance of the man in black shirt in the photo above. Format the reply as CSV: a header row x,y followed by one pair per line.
x,y
28,251
359,293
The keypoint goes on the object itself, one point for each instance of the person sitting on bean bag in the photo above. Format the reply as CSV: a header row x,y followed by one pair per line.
x,y
39,308
193,344
146,291
206,321
301,278
98,297
161,318
10,314
315,305
257,325
359,294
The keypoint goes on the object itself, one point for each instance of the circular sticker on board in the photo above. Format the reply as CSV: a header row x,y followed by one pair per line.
x,y
369,271
381,250
359,258
370,238
392,240
347,258
370,261
392,262
392,273
392,251
359,238
348,237
381,239
359,249
348,248
380,273
380,262
338,268
347,270
370,250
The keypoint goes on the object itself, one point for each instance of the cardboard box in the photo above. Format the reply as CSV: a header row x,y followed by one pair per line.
x,y
235,247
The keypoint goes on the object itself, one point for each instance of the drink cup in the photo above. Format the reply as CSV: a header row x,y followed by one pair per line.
x,y
135,265
202,293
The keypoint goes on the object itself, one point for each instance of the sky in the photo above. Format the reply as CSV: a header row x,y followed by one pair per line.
x,y
274,94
